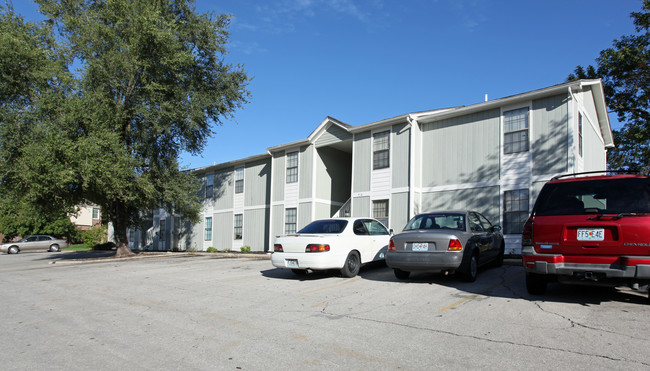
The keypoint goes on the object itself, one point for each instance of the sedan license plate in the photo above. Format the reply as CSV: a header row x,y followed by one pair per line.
x,y
420,246
292,263
597,234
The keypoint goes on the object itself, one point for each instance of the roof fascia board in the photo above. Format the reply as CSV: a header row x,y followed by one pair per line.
x,y
598,91
228,164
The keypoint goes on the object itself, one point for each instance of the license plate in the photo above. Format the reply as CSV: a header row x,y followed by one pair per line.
x,y
420,246
597,234
292,263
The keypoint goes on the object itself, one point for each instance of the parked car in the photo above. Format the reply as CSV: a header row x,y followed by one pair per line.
x,y
341,243
446,241
591,229
36,242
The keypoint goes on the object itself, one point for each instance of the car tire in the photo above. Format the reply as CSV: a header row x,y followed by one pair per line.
x,y
470,271
400,274
54,248
299,272
535,284
13,250
502,250
352,265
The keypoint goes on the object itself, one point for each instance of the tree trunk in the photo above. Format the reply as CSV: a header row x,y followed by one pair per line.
x,y
119,219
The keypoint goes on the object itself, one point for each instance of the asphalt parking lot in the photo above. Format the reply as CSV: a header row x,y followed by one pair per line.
x,y
180,311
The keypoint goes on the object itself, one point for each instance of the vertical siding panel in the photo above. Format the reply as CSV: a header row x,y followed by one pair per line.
x,y
362,162
461,149
398,208
222,230
401,155
361,207
223,189
257,183
277,228
305,171
485,200
255,229
333,134
304,215
279,170
550,135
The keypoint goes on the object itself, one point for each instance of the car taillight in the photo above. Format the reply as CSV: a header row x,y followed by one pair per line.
x,y
454,245
277,248
317,248
391,245
527,233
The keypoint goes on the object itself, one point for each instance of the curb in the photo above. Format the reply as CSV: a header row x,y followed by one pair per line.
x,y
216,255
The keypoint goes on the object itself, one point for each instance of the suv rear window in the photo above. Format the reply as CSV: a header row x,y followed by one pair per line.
x,y
609,196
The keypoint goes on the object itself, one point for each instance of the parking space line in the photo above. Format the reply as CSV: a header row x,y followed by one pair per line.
x,y
475,295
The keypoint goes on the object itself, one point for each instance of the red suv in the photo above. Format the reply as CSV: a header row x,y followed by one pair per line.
x,y
589,229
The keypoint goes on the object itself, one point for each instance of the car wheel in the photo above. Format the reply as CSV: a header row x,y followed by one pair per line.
x,y
54,248
352,265
535,284
471,269
299,272
400,274
499,261
13,250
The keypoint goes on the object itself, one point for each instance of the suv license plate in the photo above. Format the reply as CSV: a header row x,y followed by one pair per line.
x,y
591,234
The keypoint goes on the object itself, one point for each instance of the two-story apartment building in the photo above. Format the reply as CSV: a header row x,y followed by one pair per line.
x,y
492,157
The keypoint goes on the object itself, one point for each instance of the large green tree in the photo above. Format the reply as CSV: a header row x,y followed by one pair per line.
x,y
625,71
148,82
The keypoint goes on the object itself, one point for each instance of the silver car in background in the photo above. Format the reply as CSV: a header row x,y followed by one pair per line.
x,y
447,241
35,242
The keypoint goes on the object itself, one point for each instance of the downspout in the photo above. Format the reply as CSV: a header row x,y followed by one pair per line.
x,y
270,201
414,128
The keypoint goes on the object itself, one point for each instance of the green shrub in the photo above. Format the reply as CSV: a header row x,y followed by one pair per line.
x,y
211,249
95,235
245,249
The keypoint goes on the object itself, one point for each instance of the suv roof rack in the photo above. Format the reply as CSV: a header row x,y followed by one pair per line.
x,y
606,172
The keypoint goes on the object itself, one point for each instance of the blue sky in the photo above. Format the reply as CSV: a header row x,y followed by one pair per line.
x,y
364,61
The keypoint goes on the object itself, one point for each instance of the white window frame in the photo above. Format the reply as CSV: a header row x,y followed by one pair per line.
x,y
518,131
291,168
238,227
376,138
208,229
239,180
209,185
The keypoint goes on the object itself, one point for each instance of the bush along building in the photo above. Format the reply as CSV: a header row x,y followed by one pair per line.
x,y
492,157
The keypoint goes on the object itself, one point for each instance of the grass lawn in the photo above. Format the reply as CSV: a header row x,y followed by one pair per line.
x,y
77,247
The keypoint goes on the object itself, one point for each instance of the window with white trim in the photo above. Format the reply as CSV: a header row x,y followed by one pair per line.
x,y
381,150
95,213
292,167
239,180
580,134
208,228
239,225
209,186
515,131
380,211
290,220
515,211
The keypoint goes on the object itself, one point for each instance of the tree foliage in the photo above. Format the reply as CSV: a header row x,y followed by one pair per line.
x,y
149,81
626,78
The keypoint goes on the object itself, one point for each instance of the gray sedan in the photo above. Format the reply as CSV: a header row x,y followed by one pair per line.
x,y
448,241
36,242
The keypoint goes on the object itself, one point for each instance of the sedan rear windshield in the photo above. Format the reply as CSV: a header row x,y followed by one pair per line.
x,y
608,196
325,226
437,221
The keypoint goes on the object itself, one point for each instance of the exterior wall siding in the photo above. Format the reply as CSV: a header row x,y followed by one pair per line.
x,y
549,139
223,189
278,170
305,171
222,230
401,153
257,181
304,215
361,206
256,229
361,162
277,228
399,210
333,134
461,149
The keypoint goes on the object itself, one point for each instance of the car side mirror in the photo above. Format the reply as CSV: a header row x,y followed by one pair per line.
x,y
391,232
496,228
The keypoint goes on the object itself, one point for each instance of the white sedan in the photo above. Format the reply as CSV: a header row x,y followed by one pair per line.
x,y
341,243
